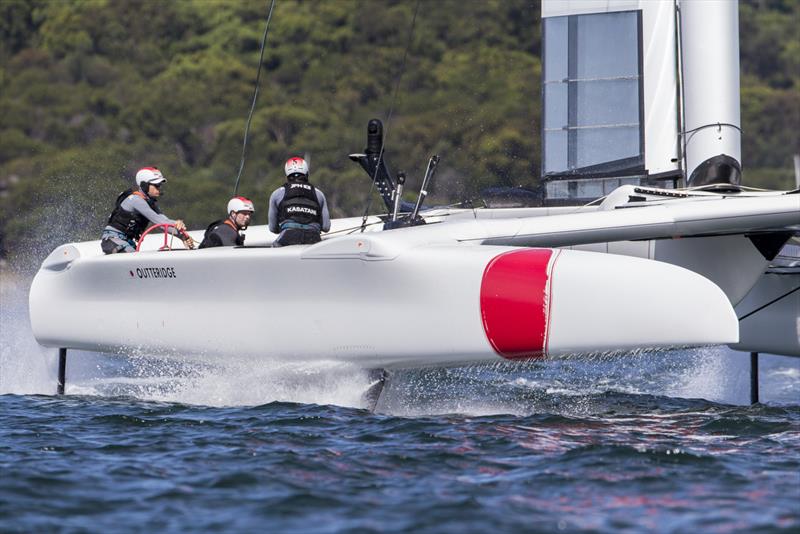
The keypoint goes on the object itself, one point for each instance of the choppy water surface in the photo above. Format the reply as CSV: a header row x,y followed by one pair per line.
x,y
663,441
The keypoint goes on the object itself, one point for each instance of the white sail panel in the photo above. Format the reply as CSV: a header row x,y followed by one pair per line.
x,y
660,87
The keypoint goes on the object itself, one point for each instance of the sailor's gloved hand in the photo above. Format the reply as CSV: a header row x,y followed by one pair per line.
x,y
189,242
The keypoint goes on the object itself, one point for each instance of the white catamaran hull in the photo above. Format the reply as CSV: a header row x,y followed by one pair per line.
x,y
370,301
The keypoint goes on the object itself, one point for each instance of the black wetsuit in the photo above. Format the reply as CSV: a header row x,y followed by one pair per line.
x,y
222,233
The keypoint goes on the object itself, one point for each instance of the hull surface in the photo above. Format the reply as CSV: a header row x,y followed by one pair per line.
x,y
371,301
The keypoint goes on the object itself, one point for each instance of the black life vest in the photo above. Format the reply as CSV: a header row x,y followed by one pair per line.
x,y
131,223
220,233
299,204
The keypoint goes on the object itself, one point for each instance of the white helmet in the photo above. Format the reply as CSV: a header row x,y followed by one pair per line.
x,y
296,166
240,204
149,175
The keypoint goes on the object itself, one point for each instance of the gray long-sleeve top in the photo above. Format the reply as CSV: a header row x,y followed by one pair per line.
x,y
135,203
277,196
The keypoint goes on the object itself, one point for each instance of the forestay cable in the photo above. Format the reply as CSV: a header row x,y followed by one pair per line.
x,y
255,97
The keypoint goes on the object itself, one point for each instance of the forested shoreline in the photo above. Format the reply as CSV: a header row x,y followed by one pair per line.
x,y
93,89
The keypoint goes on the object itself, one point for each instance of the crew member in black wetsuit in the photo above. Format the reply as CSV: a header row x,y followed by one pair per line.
x,y
134,210
228,232
297,210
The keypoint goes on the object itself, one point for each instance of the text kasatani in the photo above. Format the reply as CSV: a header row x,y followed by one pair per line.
x,y
301,209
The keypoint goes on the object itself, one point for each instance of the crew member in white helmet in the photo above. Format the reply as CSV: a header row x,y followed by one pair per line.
x,y
228,232
297,209
135,209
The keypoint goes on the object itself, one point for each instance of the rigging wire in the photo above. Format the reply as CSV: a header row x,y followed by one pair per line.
x,y
773,301
255,97
389,117
353,229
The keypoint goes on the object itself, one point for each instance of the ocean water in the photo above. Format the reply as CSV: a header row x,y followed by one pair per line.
x,y
659,441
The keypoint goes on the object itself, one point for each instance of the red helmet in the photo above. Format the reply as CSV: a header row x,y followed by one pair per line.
x,y
296,166
149,175
240,204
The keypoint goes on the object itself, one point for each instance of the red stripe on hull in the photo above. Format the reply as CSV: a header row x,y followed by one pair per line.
x,y
514,303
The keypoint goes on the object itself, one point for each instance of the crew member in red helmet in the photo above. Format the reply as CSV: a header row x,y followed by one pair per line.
x,y
228,232
135,209
297,209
